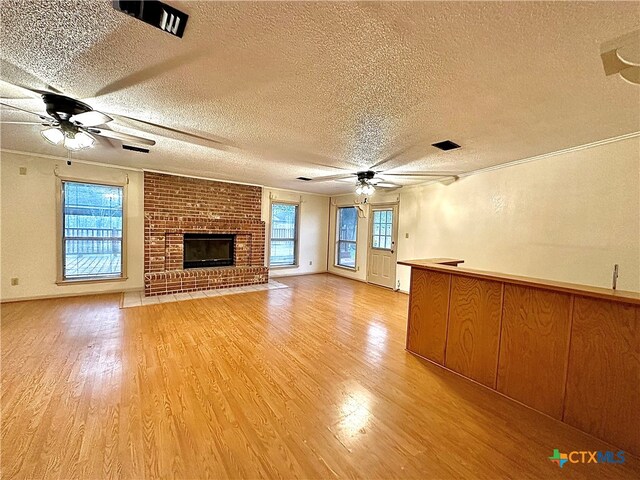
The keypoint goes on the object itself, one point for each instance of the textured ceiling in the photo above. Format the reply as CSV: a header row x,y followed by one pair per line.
x,y
308,89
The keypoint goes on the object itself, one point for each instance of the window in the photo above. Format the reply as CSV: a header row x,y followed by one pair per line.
x,y
92,231
347,235
382,233
283,251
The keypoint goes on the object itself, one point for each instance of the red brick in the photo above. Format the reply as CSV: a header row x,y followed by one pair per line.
x,y
176,205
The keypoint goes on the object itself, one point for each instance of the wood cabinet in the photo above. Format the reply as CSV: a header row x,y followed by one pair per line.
x,y
533,347
603,379
474,328
428,310
569,351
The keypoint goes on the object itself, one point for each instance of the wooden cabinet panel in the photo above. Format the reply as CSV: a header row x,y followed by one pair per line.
x,y
428,305
474,328
534,347
603,380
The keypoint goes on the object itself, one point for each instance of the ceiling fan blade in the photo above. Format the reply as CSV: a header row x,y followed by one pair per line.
x,y
26,123
43,117
332,177
421,174
152,72
92,118
173,130
121,136
387,185
10,70
391,157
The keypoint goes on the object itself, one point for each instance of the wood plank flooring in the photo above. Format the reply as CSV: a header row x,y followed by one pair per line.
x,y
311,381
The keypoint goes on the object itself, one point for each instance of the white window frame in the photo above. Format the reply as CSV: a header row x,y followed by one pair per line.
x,y
296,251
61,280
336,259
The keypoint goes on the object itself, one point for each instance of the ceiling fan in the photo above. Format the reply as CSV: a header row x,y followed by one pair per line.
x,y
368,180
79,123
73,123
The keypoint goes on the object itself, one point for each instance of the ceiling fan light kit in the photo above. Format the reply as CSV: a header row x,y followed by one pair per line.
x,y
53,135
365,188
71,140
79,141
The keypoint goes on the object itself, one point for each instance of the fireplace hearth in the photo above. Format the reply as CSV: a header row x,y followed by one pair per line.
x,y
203,250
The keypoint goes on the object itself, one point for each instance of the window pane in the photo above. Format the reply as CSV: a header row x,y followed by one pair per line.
x,y
283,221
283,234
92,216
382,229
347,254
348,223
282,252
347,232
92,258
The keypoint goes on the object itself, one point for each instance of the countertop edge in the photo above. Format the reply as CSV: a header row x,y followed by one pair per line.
x,y
577,289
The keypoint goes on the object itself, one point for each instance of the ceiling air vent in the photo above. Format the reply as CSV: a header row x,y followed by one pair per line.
x,y
155,13
304,178
446,145
135,149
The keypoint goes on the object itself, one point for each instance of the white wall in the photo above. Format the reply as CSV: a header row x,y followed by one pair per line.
x,y
28,232
568,217
313,217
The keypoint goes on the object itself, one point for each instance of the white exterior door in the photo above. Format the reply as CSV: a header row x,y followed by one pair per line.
x,y
383,223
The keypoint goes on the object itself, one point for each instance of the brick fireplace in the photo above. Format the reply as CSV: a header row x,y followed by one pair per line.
x,y
175,206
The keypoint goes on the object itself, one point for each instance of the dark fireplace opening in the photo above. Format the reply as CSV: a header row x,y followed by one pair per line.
x,y
208,250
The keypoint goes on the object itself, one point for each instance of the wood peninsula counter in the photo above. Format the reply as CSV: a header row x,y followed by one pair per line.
x,y
569,351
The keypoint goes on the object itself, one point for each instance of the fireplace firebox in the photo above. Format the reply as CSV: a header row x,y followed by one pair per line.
x,y
208,250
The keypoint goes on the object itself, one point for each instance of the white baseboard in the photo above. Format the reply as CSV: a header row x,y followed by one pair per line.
x,y
406,292
61,295
291,273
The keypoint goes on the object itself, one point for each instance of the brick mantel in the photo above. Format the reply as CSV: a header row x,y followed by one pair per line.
x,y
176,205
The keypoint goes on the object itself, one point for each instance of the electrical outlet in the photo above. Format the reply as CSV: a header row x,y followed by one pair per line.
x,y
398,284
14,282
406,235
23,170
310,262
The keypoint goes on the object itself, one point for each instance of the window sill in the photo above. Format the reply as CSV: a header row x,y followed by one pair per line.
x,y
351,269
282,267
82,281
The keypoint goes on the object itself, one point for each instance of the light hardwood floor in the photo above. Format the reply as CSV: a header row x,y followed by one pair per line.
x,y
311,381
